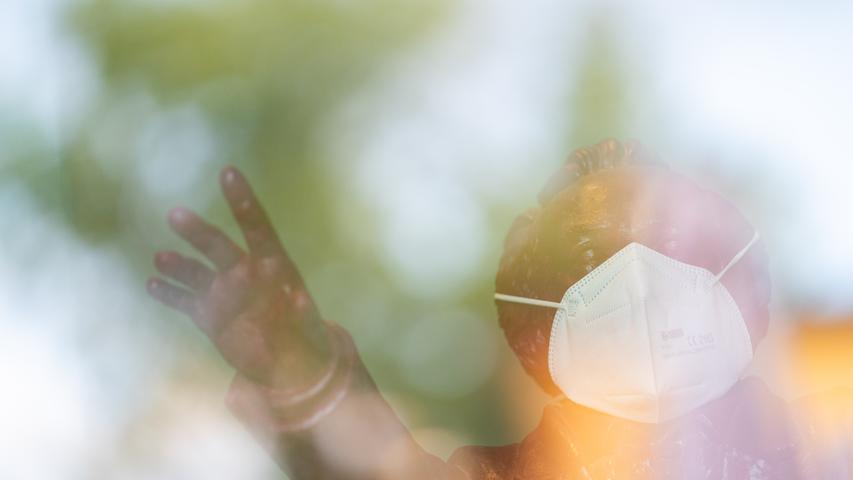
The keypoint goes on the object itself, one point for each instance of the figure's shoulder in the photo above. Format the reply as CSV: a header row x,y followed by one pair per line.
x,y
546,449
485,462
829,412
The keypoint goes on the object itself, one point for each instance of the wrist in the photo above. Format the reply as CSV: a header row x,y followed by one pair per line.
x,y
308,364
291,407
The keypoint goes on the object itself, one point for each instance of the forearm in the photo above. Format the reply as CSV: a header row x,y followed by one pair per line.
x,y
342,429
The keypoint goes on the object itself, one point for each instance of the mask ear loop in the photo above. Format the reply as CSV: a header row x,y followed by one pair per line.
x,y
737,257
528,301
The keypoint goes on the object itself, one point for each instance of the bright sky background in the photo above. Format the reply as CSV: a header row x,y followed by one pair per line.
x,y
757,94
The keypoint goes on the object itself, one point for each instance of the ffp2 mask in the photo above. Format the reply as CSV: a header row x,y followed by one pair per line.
x,y
646,337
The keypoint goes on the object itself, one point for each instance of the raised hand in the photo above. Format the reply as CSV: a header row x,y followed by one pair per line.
x,y
253,305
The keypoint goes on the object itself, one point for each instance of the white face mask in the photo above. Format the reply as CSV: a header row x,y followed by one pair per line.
x,y
646,337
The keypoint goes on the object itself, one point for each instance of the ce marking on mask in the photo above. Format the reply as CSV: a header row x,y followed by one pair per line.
x,y
676,342
700,341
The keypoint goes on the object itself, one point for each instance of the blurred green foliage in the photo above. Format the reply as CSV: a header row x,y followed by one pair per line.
x,y
599,102
264,78
266,75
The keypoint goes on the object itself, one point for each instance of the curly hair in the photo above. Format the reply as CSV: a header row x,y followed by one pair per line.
x,y
545,253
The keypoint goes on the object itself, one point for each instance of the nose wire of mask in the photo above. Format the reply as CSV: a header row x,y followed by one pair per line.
x,y
545,303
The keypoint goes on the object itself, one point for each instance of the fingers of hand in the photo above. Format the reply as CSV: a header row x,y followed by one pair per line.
x,y
188,271
208,239
172,296
260,235
275,272
231,294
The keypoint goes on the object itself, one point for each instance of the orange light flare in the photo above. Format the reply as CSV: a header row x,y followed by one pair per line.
x,y
822,367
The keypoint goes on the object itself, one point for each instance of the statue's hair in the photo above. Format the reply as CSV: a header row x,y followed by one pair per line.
x,y
606,154
535,263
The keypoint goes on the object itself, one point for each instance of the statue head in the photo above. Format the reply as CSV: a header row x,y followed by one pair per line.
x,y
605,197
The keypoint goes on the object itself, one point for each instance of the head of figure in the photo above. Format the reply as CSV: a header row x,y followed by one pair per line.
x,y
606,197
